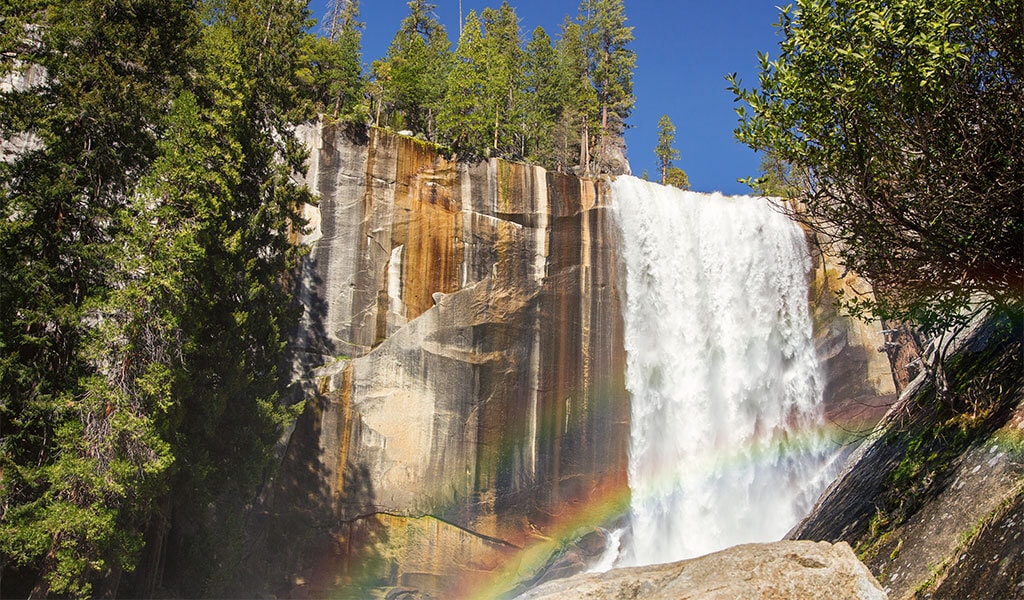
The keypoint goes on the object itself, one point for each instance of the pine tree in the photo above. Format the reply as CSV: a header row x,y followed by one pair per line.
x,y
664,150
676,177
611,65
462,120
223,189
145,238
410,79
335,80
541,112
80,456
578,100
502,60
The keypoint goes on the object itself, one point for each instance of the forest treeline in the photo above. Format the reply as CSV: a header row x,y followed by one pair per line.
x,y
559,103
149,203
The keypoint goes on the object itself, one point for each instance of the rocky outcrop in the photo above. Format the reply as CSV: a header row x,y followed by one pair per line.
x,y
932,500
461,359
777,570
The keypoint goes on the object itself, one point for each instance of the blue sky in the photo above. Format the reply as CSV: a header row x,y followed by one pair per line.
x,y
684,50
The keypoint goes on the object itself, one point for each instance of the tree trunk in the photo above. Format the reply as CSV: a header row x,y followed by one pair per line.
x,y
584,147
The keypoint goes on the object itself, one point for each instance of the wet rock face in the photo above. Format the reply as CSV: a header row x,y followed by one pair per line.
x,y
776,570
859,384
461,356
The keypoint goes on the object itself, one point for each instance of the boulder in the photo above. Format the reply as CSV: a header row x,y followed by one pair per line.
x,y
776,571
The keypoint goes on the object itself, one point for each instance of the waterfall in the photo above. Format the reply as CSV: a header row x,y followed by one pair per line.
x,y
726,442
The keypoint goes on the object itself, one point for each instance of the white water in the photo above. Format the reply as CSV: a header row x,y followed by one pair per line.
x,y
727,445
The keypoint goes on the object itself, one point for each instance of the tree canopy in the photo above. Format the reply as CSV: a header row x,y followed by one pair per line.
x,y
563,105
411,77
905,120
144,228
664,150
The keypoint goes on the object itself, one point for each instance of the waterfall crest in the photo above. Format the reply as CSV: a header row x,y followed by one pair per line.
x,y
727,442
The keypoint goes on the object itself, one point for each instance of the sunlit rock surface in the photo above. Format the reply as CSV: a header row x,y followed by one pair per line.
x,y
783,570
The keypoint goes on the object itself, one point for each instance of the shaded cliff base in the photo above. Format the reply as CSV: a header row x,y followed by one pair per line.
x,y
932,501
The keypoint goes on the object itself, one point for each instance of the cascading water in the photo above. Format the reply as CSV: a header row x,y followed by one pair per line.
x,y
727,444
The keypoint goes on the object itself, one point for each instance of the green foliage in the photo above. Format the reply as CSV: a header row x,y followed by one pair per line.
x,y
542,87
578,99
410,79
79,455
484,108
670,175
333,69
606,38
664,150
462,121
500,99
779,178
676,177
222,187
906,117
145,240
985,385
503,82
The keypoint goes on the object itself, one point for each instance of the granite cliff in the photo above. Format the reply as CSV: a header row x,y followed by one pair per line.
x,y
461,359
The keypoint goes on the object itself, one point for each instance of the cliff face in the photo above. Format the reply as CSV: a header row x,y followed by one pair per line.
x,y
859,382
461,349
461,357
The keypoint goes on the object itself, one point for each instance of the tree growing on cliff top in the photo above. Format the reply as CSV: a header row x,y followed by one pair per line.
x,y
677,178
670,174
540,71
410,79
334,69
664,150
611,63
503,83
907,118
577,98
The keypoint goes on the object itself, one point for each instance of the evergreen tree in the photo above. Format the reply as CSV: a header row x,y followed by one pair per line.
x,y
410,79
541,112
80,457
611,65
223,185
502,60
145,239
462,120
335,78
578,101
676,177
664,150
